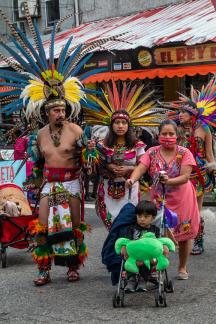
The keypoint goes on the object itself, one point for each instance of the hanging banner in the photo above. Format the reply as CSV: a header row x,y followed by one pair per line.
x,y
8,170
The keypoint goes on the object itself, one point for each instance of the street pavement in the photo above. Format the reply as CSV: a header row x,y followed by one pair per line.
x,y
90,299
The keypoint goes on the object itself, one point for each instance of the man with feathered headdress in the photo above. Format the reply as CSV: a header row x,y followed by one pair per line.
x,y
49,88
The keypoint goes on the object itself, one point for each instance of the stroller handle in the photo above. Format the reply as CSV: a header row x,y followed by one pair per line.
x,y
129,194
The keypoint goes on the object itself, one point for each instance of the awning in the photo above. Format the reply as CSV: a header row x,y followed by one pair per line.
x,y
152,73
187,24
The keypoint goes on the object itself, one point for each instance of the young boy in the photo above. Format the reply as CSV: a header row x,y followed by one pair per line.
x,y
146,213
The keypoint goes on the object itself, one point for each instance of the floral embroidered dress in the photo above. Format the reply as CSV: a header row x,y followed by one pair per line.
x,y
112,193
181,199
199,176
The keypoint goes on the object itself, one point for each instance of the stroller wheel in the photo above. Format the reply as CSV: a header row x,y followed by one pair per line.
x,y
160,299
118,300
168,286
3,255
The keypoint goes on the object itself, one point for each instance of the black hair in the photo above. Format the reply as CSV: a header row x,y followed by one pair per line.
x,y
130,138
167,122
146,207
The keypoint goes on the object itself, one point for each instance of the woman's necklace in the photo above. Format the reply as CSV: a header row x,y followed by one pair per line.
x,y
56,136
119,145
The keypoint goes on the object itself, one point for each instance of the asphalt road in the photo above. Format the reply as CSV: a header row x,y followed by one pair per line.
x,y
90,299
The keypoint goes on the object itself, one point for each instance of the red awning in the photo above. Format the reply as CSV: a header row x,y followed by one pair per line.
x,y
153,73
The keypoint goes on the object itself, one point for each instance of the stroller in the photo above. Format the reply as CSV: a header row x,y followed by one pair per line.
x,y
13,229
162,284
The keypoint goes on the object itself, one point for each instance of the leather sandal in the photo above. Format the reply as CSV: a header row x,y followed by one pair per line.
x,y
73,275
42,279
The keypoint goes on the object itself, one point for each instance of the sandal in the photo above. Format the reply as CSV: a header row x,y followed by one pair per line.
x,y
42,279
182,276
73,275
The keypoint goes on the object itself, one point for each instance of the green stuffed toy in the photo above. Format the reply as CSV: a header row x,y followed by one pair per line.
x,y
145,249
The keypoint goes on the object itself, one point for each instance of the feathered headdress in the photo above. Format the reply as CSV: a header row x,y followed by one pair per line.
x,y
201,104
35,78
130,98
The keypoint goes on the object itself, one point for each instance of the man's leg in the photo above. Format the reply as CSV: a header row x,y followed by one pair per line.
x,y
43,211
73,274
43,253
75,211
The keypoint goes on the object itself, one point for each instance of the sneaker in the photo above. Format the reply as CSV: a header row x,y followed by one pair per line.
x,y
131,285
197,249
141,286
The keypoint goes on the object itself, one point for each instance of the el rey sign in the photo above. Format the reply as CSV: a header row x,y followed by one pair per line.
x,y
185,54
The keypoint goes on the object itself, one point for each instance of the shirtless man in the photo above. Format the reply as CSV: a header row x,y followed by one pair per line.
x,y
59,209
57,144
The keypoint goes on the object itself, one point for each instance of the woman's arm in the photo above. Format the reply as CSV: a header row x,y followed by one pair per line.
x,y
136,174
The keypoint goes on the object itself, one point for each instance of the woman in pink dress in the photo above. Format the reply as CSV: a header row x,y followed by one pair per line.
x,y
177,162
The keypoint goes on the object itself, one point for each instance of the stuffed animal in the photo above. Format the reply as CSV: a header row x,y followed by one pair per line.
x,y
145,249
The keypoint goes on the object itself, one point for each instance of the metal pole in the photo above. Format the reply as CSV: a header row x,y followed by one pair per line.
x,y
76,9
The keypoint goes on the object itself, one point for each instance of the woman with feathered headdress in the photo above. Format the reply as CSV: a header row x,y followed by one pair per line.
x,y
197,116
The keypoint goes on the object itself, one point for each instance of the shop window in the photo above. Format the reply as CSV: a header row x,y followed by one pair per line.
x,y
52,12
197,81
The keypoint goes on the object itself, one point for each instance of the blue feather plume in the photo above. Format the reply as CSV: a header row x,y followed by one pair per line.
x,y
12,78
27,56
89,73
10,93
63,54
8,84
80,65
90,104
70,59
11,105
19,59
31,48
40,44
52,42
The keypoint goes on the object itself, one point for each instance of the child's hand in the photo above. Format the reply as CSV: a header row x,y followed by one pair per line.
x,y
124,252
139,263
165,251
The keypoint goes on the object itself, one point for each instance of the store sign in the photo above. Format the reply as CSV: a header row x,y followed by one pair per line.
x,y
8,170
143,58
185,54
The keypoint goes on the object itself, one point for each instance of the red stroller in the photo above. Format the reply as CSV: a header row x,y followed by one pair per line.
x,y
13,230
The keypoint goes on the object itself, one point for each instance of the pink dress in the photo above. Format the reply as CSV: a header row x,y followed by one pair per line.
x,y
181,198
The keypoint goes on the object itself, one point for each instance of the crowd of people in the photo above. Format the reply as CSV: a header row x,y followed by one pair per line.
x,y
180,160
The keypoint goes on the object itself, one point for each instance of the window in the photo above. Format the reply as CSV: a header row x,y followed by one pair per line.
x,y
52,12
